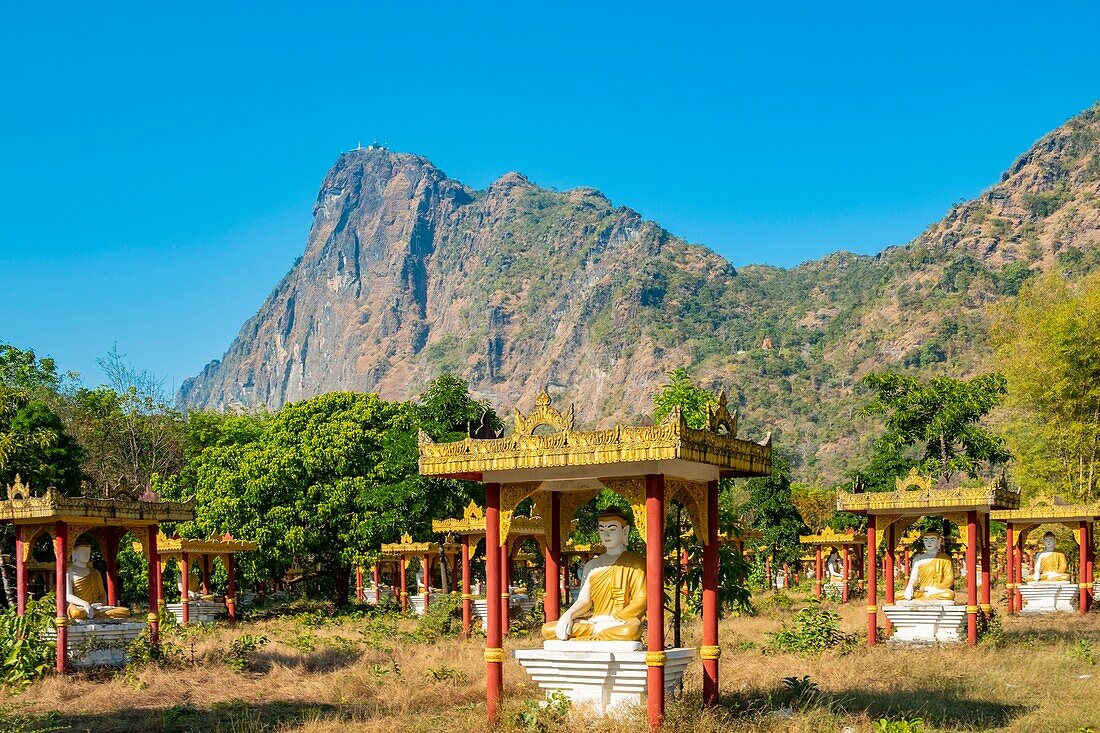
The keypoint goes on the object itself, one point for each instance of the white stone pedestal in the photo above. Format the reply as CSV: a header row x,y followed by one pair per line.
x,y
833,589
603,674
206,612
516,604
99,643
371,595
927,622
1042,597
416,603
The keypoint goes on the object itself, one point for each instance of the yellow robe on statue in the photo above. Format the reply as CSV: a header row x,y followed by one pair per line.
x,y
938,573
1053,567
90,588
617,590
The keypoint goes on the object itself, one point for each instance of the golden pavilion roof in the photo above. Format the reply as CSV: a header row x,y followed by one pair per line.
x,y
1048,509
472,523
671,448
223,545
830,537
407,547
117,506
918,495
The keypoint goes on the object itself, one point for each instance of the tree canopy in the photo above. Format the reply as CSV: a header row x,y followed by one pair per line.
x,y
1048,343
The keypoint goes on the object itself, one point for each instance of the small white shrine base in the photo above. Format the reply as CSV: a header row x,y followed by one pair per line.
x,y
370,595
416,603
1048,597
99,643
603,674
516,604
927,622
198,612
833,589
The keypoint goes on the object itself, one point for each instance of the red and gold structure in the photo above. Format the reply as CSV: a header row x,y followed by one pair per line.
x,y
471,531
564,469
106,518
849,544
430,555
889,514
190,553
1081,519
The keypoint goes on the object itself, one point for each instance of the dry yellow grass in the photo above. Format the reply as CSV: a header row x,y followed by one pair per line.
x,y
1038,679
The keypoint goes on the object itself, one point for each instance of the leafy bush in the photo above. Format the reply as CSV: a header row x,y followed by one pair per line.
x,y
884,725
25,655
815,630
1082,651
442,619
241,647
552,715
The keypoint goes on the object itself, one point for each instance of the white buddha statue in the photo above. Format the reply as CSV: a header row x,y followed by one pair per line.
x,y
932,577
611,602
84,589
834,568
420,581
194,589
1050,565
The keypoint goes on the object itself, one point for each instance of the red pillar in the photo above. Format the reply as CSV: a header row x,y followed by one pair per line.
x,y
710,651
494,649
185,583
505,589
1018,554
467,598
1091,556
426,562
109,540
153,559
847,565
359,584
888,571
404,588
987,575
971,577
552,599
655,597
872,589
1010,569
818,572
20,573
1082,567
231,591
204,568
60,551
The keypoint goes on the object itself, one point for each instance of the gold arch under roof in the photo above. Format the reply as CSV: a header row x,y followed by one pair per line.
x,y
830,538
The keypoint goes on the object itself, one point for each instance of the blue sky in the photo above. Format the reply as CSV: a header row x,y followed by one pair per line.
x,y
159,163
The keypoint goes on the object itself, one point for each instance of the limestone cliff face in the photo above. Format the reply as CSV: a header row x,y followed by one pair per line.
x,y
408,274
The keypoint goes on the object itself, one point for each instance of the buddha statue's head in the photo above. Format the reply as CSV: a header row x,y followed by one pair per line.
x,y
82,555
614,528
1048,542
933,543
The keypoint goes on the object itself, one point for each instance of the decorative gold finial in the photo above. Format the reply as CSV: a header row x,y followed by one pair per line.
x,y
913,480
544,414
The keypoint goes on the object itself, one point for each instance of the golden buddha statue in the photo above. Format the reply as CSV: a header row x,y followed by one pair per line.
x,y
194,590
611,602
84,589
1050,565
932,577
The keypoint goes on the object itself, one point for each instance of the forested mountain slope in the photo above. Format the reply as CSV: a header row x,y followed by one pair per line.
x,y
408,273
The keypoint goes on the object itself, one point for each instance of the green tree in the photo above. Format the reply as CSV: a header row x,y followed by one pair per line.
x,y
681,392
940,417
770,510
320,482
1048,343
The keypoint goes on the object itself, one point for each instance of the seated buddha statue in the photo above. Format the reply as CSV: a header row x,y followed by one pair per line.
x,y
84,589
1050,566
194,589
834,567
932,577
611,602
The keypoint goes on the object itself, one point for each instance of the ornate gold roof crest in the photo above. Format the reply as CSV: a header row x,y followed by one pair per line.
x,y
543,414
720,419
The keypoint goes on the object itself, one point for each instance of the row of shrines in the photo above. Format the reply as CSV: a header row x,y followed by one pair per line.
x,y
561,469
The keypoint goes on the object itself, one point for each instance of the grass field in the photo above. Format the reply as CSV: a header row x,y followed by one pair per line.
x,y
316,674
